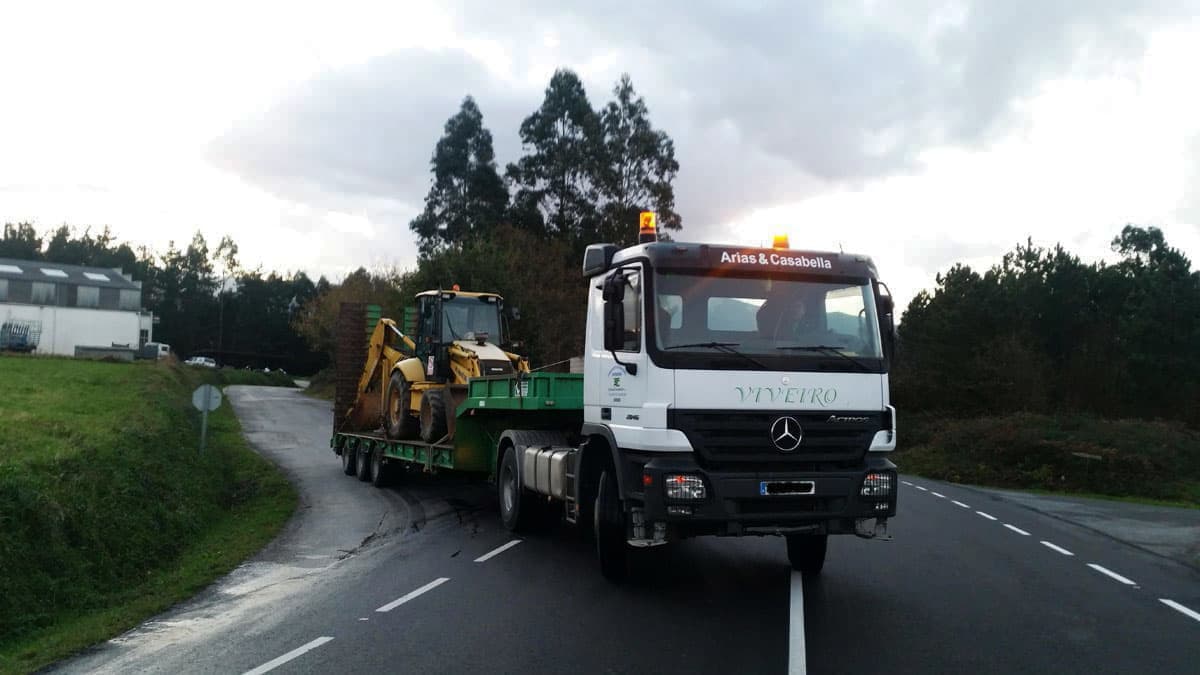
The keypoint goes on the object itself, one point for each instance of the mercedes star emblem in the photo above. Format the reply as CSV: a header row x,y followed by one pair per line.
x,y
786,434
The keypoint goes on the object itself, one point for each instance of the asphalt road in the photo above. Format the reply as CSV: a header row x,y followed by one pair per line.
x,y
400,579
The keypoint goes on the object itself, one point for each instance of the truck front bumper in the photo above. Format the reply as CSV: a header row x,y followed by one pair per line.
x,y
745,502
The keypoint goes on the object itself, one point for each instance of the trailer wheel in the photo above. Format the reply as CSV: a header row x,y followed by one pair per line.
x,y
806,552
398,421
608,523
363,464
348,453
433,415
516,510
381,472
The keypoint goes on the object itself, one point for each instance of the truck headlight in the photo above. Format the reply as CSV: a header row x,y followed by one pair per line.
x,y
683,486
878,485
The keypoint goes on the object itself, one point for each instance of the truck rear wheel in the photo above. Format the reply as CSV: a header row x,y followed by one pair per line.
x,y
348,466
398,421
381,472
363,465
806,552
433,415
516,509
608,523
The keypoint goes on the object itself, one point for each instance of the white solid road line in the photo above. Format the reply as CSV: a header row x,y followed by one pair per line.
x,y
938,494
955,501
1118,577
497,551
986,515
1016,529
797,656
921,488
405,598
1053,547
1180,608
279,661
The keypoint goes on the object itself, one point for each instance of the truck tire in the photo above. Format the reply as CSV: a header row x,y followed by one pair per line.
x,y
398,422
516,504
348,466
381,471
433,415
363,465
806,552
609,527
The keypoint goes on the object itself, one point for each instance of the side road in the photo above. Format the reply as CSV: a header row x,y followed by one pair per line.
x,y
1170,532
335,521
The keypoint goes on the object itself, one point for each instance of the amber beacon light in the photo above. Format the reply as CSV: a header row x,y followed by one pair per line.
x,y
780,241
647,227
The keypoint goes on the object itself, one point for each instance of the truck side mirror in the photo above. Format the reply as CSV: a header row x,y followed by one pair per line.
x,y
515,313
613,293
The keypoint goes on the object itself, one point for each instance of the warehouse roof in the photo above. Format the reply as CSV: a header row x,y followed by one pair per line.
x,y
38,270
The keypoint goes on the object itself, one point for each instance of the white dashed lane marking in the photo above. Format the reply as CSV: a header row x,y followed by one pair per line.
x,y
921,488
958,503
986,515
1016,529
797,651
906,483
1054,547
938,494
497,551
1180,608
420,591
280,660
1107,572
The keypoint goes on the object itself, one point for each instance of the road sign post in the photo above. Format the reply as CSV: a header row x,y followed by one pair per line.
x,y
205,398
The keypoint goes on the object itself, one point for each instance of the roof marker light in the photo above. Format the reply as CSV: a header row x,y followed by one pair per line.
x,y
780,241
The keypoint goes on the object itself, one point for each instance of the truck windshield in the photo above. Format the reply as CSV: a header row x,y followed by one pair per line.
x,y
465,317
765,317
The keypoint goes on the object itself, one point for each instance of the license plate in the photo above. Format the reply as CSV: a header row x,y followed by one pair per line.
x,y
770,488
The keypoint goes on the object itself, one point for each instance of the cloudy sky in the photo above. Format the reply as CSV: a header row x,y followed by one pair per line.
x,y
920,132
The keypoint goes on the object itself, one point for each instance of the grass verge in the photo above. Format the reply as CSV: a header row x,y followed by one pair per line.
x,y
108,514
1080,455
322,385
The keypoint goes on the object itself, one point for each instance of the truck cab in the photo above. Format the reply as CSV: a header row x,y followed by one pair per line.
x,y
741,391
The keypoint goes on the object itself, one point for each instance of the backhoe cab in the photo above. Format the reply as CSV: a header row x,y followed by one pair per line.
x,y
412,384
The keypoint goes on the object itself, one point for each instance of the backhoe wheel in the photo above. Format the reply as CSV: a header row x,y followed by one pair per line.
x,y
363,464
398,422
433,415
806,552
609,527
348,466
381,472
519,508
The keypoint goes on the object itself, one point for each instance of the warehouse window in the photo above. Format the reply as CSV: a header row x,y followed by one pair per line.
x,y
42,293
95,276
109,298
10,269
131,300
3,290
88,296
51,272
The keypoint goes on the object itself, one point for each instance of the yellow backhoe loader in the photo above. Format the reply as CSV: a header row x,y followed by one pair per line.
x,y
412,384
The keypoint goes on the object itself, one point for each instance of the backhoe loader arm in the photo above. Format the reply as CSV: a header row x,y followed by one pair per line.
x,y
382,354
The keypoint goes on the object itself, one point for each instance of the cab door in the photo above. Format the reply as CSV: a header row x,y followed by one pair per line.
x,y
623,393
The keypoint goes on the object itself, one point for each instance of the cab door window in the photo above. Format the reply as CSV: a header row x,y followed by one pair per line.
x,y
631,307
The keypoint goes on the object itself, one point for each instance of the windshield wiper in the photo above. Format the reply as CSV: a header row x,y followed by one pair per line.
x,y
827,349
727,347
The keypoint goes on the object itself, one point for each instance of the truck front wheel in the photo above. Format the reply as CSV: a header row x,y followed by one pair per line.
x,y
515,509
608,524
806,552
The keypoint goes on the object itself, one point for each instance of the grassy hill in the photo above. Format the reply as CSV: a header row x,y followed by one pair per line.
x,y
109,512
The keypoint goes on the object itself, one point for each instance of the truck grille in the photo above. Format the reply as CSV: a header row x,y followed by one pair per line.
x,y
740,437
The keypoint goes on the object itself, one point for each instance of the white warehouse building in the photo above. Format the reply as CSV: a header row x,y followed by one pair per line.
x,y
67,306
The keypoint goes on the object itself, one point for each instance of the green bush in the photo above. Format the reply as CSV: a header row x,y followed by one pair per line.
x,y
1137,458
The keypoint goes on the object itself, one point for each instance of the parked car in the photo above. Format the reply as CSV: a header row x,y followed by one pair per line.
x,y
154,350
202,361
